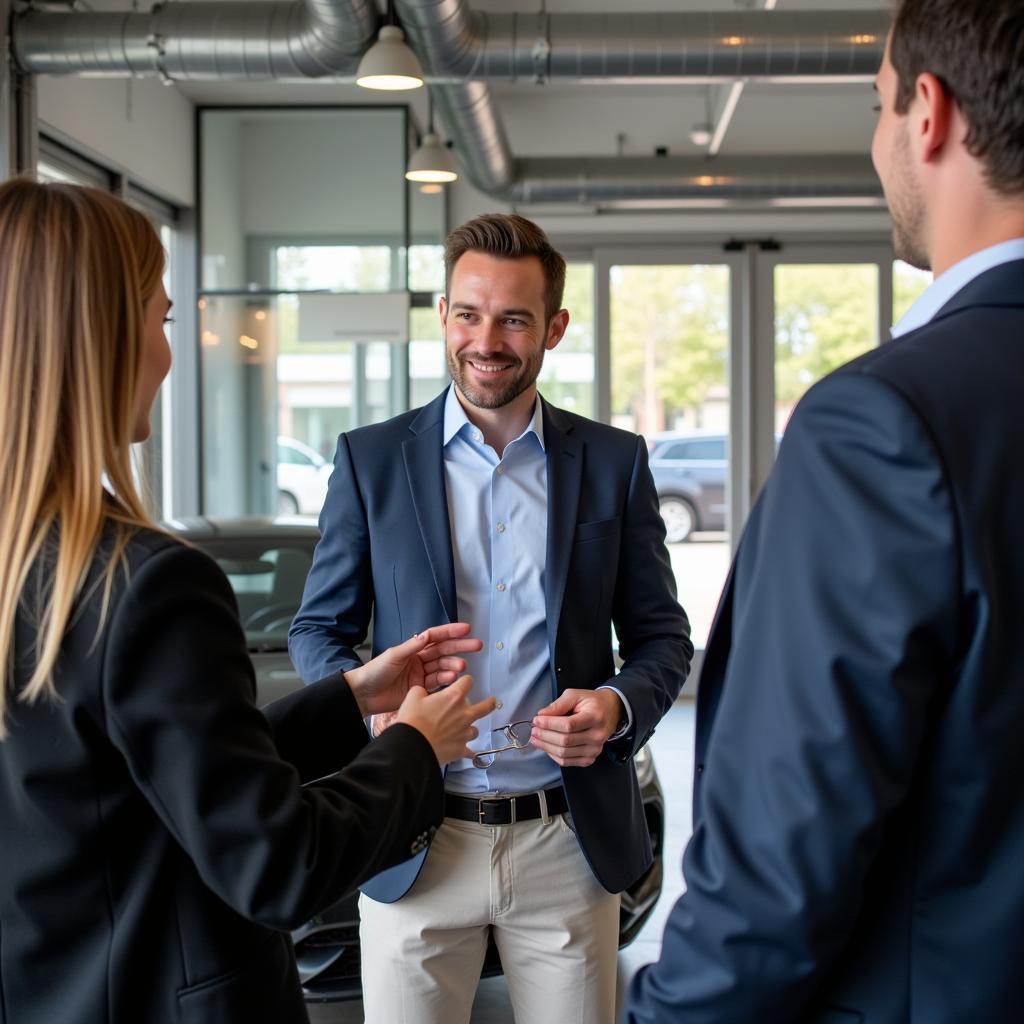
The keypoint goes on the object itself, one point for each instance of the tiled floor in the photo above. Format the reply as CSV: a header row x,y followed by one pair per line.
x,y
673,754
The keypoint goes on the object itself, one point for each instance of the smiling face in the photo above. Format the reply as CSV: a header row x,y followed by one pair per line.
x,y
495,328
892,155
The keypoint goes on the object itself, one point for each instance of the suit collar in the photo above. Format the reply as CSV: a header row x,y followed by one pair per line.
x,y
1002,285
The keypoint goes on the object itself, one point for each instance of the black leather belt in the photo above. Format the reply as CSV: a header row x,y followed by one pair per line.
x,y
504,810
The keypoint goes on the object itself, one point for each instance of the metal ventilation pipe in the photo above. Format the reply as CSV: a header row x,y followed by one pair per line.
x,y
461,48
301,39
697,179
684,47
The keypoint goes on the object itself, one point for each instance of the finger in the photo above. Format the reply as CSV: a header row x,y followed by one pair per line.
x,y
481,708
571,723
564,740
449,631
471,643
412,646
576,756
459,690
563,705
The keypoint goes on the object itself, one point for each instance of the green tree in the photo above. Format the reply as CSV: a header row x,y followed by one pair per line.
x,y
669,339
825,315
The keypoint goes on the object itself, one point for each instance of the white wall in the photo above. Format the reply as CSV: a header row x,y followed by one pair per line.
x,y
143,127
332,172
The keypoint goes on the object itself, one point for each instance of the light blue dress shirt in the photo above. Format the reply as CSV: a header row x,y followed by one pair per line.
x,y
497,514
944,287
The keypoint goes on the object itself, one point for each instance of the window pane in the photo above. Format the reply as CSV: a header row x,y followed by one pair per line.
x,y
825,315
908,283
669,373
426,268
428,371
261,382
567,377
339,268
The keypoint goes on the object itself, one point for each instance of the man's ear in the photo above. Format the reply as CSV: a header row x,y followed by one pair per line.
x,y
556,328
932,114
442,312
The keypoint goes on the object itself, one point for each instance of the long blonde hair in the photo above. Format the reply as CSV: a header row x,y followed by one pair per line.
x,y
76,268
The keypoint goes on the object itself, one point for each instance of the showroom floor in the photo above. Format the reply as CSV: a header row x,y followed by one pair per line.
x,y
673,755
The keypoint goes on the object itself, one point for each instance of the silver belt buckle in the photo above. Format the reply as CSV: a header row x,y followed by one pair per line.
x,y
493,800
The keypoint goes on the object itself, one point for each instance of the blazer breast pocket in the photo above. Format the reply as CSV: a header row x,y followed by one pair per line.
x,y
597,529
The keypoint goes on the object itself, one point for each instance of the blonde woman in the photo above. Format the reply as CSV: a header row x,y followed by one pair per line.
x,y
157,839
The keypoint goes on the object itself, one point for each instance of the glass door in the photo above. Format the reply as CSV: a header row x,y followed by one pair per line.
x,y
665,374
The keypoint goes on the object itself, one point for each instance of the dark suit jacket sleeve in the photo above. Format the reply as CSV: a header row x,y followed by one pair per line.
x,y
178,703
844,629
338,598
653,631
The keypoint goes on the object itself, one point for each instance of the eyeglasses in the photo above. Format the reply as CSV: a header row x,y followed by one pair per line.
x,y
518,736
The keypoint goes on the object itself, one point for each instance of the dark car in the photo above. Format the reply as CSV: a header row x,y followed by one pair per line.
x,y
267,561
690,471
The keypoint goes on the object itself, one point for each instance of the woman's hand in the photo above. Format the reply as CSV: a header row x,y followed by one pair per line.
x,y
429,660
445,718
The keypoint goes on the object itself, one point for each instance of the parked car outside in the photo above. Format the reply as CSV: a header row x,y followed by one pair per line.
x,y
690,471
266,560
302,476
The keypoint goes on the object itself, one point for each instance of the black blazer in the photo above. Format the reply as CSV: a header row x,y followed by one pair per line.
x,y
386,547
858,850
158,842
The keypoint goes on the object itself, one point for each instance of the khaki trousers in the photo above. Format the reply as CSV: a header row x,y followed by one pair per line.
x,y
555,926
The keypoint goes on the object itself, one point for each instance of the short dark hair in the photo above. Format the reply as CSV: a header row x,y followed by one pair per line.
x,y
976,50
511,237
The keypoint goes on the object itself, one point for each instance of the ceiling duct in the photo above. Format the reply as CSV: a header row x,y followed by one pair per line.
x,y
461,49
303,39
459,44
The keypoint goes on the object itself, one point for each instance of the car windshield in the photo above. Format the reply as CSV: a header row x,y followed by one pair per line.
x,y
267,575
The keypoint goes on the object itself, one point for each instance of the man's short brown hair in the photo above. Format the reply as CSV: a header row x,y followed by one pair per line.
x,y
976,50
509,237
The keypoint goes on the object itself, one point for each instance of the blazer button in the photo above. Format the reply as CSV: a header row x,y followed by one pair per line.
x,y
700,769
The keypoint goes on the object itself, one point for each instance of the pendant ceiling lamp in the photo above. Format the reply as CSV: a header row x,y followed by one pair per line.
x,y
432,162
389,64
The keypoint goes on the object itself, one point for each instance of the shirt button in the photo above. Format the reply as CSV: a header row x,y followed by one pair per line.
x,y
500,646
477,436
499,470
501,587
501,527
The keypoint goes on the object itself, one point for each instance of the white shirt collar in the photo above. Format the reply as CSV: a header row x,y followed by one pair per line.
x,y
944,287
455,418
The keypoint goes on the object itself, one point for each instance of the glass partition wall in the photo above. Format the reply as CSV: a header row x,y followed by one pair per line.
x,y
318,262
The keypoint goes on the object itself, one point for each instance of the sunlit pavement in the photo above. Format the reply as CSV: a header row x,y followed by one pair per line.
x,y
700,566
673,754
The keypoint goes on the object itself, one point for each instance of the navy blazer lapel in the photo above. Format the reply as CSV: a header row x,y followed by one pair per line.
x,y
424,466
565,473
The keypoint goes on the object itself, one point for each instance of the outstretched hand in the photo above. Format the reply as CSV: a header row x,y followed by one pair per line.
x,y
429,659
445,717
573,729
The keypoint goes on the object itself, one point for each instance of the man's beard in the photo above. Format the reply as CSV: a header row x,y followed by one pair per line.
x,y
511,387
906,208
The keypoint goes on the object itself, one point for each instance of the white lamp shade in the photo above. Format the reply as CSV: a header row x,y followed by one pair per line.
x,y
431,162
389,64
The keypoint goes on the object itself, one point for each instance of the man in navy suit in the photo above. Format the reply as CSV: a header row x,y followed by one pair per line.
x,y
858,849
541,529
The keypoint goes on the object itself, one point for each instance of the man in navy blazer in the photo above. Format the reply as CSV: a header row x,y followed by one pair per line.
x,y
541,529
858,849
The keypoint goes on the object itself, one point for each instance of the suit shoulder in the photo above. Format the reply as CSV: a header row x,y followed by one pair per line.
x,y
594,432
374,437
